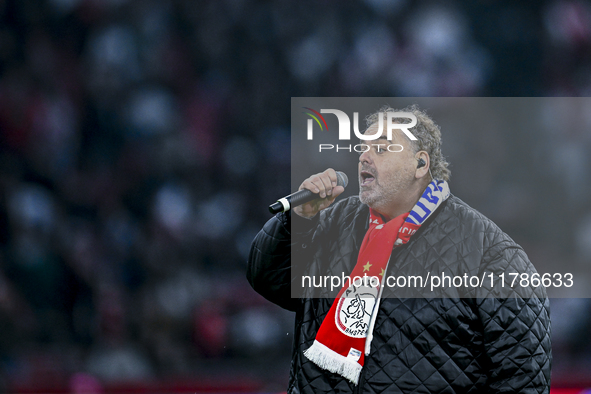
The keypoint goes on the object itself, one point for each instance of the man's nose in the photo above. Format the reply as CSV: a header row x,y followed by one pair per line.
x,y
365,157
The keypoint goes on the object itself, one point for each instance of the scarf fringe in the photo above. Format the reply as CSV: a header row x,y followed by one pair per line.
x,y
331,361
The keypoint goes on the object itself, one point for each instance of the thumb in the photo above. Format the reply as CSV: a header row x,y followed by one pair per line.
x,y
337,191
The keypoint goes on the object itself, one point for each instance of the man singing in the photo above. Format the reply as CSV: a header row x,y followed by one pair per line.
x,y
479,337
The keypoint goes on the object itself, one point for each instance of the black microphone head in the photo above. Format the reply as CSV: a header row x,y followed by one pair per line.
x,y
342,179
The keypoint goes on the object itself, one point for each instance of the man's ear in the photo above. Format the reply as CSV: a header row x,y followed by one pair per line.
x,y
423,164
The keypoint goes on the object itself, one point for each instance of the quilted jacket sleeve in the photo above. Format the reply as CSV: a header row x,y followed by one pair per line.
x,y
269,262
516,327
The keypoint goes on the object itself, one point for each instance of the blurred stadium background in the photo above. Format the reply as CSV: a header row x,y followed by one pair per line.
x,y
141,142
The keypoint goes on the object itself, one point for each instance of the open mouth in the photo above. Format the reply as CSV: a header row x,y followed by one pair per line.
x,y
366,178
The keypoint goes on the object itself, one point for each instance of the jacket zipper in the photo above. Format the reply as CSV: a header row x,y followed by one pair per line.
x,y
357,389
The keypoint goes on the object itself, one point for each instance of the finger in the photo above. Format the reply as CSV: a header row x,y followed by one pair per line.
x,y
332,174
335,193
315,185
307,184
326,182
321,186
329,179
322,183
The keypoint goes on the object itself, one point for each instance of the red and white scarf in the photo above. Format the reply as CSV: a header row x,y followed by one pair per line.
x,y
344,337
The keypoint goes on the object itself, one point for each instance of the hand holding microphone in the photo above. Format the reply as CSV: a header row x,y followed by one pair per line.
x,y
314,194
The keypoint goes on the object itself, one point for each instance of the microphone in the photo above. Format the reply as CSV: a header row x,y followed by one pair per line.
x,y
302,196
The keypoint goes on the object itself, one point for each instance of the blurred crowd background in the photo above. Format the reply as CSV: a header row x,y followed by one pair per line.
x,y
141,142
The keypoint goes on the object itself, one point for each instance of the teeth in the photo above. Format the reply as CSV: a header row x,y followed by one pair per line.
x,y
366,177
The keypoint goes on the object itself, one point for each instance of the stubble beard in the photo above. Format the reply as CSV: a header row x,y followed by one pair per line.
x,y
381,193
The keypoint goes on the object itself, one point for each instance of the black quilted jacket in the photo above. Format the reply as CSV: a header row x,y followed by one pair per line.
x,y
483,340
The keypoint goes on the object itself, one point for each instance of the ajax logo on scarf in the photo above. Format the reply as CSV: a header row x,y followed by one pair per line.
x,y
354,309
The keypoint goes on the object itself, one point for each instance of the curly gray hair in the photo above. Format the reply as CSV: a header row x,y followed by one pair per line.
x,y
428,136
